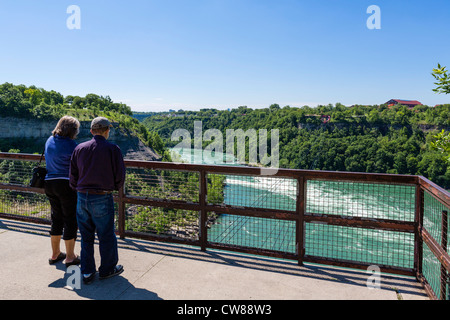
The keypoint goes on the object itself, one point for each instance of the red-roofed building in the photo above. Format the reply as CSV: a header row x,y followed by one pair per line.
x,y
408,103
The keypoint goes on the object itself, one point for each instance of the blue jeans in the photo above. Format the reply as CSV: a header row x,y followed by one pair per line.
x,y
95,214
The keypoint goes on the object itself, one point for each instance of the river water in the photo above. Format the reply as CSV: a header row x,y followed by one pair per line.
x,y
326,197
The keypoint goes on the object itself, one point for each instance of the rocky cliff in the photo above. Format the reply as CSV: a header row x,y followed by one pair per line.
x,y
382,127
32,129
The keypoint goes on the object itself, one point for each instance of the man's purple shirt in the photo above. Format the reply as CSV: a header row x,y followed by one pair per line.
x,y
96,165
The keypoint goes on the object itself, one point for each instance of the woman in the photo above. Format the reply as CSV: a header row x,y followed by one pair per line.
x,y
63,200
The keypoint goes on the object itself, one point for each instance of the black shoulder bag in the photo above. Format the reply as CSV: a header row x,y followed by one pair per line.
x,y
39,173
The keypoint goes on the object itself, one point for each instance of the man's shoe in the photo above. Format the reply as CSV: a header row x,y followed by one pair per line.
x,y
116,271
88,278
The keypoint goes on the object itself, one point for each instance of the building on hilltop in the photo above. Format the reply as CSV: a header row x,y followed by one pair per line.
x,y
408,103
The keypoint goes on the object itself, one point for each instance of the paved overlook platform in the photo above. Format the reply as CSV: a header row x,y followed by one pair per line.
x,y
159,271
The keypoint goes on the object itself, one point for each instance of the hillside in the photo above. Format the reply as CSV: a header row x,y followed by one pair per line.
x,y
29,135
378,139
29,114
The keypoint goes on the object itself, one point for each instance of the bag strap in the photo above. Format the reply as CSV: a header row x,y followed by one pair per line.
x,y
42,155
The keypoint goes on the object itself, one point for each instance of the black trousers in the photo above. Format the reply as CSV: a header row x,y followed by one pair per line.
x,y
63,202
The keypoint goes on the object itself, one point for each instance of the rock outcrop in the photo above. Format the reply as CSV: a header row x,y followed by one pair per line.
x,y
39,130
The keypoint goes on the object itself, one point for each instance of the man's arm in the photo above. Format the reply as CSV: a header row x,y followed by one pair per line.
x,y
119,169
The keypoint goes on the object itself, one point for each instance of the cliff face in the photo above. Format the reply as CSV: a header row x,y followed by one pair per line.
x,y
382,127
37,130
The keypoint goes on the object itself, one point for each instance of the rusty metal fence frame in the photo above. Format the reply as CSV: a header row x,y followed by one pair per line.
x,y
299,216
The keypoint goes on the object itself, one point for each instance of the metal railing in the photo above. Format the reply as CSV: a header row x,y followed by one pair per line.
x,y
396,222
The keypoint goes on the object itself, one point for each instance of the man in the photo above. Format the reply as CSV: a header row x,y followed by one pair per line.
x,y
96,169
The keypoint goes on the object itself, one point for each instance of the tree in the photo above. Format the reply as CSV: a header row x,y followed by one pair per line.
x,y
34,95
441,141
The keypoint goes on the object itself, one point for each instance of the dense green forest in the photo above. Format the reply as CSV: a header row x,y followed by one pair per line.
x,y
31,102
378,139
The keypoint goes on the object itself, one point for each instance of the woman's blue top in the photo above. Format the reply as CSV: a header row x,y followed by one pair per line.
x,y
58,151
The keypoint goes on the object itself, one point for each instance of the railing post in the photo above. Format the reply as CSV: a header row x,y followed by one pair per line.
x,y
300,210
121,220
444,274
418,241
203,214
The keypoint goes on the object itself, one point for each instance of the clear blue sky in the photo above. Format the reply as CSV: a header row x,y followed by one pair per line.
x,y
159,54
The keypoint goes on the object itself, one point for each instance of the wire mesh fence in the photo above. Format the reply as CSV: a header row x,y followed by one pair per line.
x,y
366,246
239,209
357,199
433,273
252,232
436,223
16,172
24,204
162,184
163,222
252,191
432,216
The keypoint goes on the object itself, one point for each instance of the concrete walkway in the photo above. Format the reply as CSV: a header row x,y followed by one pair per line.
x,y
158,271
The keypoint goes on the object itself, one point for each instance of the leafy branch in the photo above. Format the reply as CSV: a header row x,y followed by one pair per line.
x,y
441,141
443,80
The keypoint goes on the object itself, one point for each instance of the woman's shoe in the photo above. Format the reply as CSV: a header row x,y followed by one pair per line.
x,y
75,262
60,257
